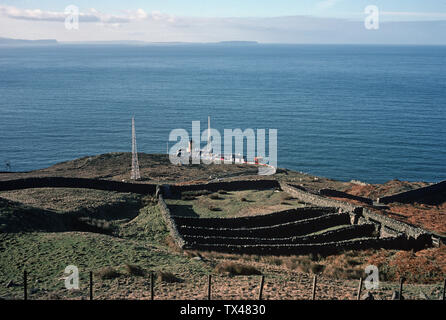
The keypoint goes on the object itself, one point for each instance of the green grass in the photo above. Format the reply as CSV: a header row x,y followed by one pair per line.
x,y
79,201
327,230
44,255
230,205
148,226
66,210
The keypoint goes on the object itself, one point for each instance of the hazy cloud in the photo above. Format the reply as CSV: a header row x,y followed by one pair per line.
x,y
92,15
155,26
326,4
439,15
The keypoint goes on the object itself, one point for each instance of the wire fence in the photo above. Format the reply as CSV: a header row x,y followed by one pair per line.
x,y
251,288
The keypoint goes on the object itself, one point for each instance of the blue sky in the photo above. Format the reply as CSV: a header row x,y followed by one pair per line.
x,y
271,21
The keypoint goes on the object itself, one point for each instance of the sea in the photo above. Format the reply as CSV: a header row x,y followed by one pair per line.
x,y
370,113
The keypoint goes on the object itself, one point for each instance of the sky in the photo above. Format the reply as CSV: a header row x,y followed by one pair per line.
x,y
269,21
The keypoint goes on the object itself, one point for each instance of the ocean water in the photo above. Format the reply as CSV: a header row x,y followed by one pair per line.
x,y
371,113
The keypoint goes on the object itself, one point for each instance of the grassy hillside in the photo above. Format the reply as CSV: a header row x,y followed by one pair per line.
x,y
141,242
122,237
232,204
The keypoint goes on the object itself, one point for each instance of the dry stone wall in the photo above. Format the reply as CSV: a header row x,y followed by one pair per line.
x,y
321,248
330,227
288,229
170,223
340,194
62,182
385,225
389,226
414,195
284,216
344,233
259,184
315,199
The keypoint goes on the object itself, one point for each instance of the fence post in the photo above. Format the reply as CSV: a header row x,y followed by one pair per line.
x,y
358,297
25,285
209,286
262,282
314,287
91,285
444,290
401,288
152,286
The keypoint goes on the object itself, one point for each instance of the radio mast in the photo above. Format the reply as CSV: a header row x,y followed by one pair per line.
x,y
135,164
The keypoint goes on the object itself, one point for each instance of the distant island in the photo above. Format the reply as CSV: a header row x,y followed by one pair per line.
x,y
22,42
238,42
145,43
46,42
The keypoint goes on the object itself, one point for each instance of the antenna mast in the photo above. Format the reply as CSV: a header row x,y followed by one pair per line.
x,y
135,164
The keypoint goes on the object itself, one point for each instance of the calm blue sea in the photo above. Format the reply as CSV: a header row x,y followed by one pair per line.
x,y
371,113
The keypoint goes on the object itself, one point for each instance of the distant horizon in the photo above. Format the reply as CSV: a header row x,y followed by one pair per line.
x,y
241,42
284,22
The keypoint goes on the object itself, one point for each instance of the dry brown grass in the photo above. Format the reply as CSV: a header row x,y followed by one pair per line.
x,y
424,266
431,217
349,265
215,196
168,277
107,273
374,191
170,243
134,270
236,269
286,197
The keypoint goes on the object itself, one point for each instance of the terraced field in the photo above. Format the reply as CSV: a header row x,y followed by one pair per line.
x,y
295,230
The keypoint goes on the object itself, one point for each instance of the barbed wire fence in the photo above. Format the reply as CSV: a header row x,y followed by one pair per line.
x,y
208,292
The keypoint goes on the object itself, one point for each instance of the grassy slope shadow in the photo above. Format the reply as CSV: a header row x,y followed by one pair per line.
x,y
16,217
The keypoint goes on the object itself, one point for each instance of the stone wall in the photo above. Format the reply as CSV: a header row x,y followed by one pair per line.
x,y
255,221
315,199
290,231
414,195
359,215
287,229
340,194
259,184
389,226
321,248
344,233
287,232
176,236
62,182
